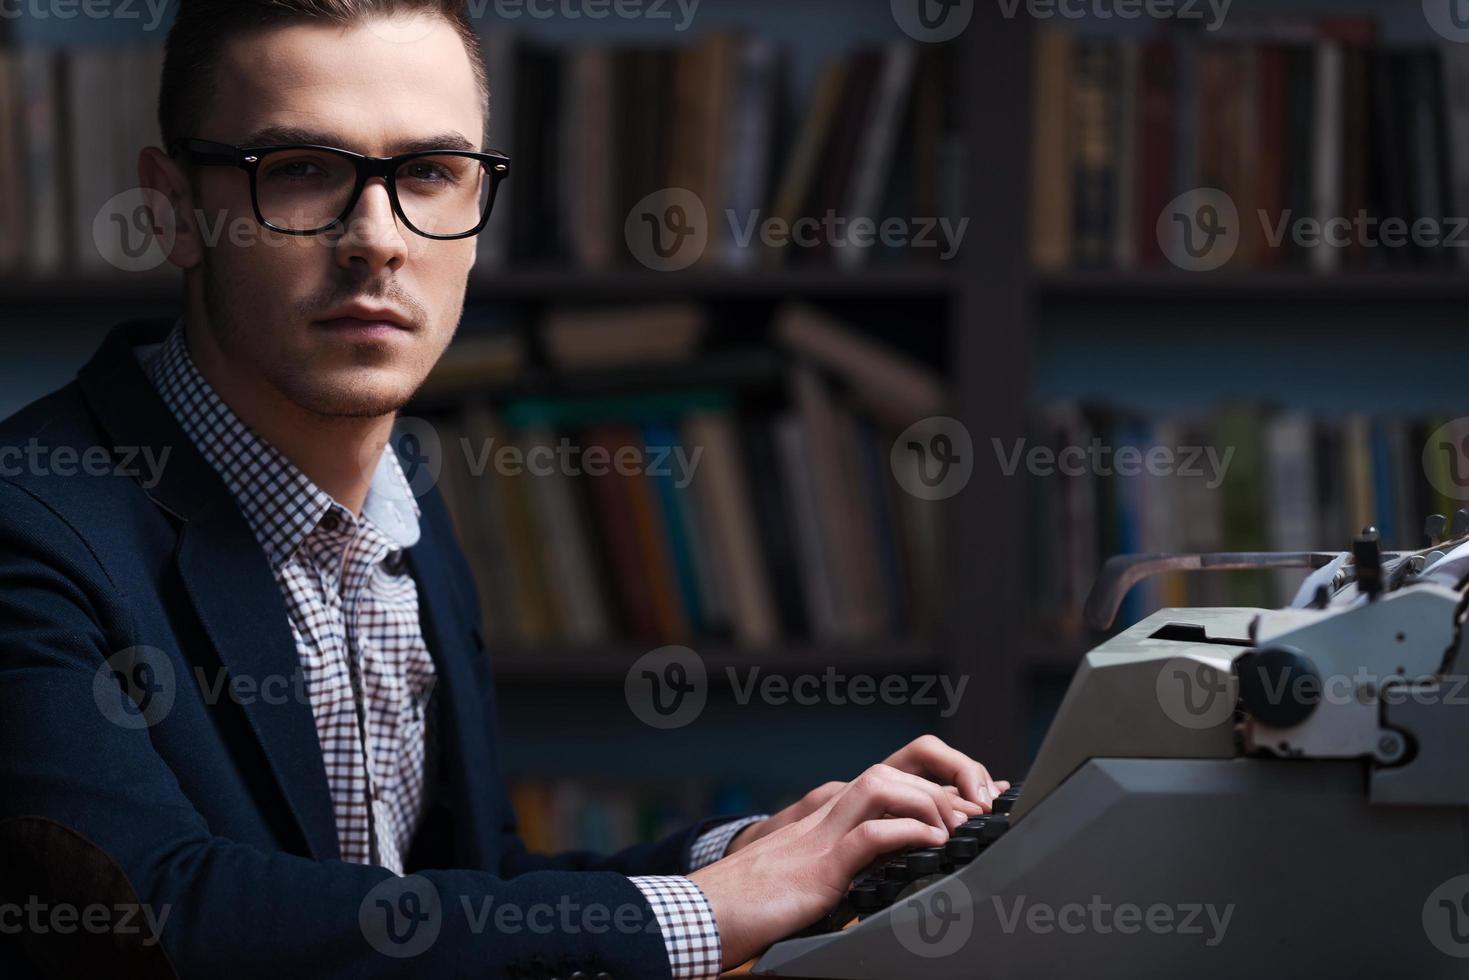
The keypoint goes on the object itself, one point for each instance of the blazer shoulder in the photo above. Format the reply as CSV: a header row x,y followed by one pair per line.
x,y
54,453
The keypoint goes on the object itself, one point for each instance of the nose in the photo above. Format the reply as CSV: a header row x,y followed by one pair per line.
x,y
373,238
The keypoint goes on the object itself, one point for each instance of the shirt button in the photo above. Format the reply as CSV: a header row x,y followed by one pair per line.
x,y
331,521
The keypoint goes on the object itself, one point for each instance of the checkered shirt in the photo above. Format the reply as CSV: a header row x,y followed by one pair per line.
x,y
353,611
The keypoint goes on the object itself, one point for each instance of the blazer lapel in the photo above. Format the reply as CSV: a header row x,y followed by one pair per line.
x,y
225,574
462,719
238,600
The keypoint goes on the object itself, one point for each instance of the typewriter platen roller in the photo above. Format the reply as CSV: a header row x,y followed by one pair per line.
x,y
1223,793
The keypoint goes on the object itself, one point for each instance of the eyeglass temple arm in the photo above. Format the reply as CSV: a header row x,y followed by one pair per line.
x,y
207,151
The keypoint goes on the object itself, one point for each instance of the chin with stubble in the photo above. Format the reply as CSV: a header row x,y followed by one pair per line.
x,y
325,366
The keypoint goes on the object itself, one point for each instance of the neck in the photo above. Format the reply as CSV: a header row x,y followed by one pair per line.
x,y
337,454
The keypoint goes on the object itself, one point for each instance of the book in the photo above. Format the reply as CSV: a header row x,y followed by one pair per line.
x,y
878,145
799,499
800,173
599,338
571,568
1051,215
13,217
1095,98
750,147
725,500
895,387
1156,94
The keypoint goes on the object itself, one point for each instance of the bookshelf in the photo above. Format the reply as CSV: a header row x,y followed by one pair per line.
x,y
1361,354
1381,340
551,283
559,695
1387,287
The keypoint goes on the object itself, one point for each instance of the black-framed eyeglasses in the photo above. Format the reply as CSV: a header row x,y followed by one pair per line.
x,y
303,189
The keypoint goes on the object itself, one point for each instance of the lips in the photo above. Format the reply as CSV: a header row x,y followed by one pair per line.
x,y
359,315
365,318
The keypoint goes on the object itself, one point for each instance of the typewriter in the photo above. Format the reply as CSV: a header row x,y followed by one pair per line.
x,y
1224,792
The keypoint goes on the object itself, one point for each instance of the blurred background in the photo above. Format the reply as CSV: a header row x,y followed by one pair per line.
x,y
913,453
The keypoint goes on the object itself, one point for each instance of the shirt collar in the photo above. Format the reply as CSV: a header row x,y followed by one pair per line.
x,y
281,504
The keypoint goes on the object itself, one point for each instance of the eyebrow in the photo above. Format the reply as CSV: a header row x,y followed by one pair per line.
x,y
449,140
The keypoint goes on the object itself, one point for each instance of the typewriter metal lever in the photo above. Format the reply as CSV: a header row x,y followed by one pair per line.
x,y
1121,573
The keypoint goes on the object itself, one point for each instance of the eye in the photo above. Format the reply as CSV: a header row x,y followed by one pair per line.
x,y
428,172
297,169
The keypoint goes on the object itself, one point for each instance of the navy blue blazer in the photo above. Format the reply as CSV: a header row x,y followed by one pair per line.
x,y
219,813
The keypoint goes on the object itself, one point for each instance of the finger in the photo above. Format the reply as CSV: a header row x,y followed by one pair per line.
x,y
822,794
870,839
957,801
883,789
932,755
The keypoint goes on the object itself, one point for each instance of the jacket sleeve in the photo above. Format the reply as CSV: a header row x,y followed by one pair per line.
x,y
228,909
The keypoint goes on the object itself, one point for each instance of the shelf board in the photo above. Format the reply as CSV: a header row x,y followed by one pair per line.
x,y
1283,285
559,664
552,284
738,369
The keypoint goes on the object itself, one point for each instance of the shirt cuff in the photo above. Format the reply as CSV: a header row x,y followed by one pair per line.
x,y
690,933
711,846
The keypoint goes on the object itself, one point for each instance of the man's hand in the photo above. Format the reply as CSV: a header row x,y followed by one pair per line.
x,y
927,756
793,874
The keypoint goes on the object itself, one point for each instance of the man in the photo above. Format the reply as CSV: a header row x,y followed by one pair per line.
x,y
143,627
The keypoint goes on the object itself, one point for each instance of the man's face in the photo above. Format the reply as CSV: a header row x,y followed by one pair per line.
x,y
275,302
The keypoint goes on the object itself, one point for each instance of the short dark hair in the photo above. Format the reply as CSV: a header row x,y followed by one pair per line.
x,y
201,29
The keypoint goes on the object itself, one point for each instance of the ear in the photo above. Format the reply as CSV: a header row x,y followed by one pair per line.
x,y
172,207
